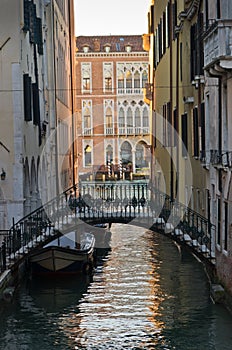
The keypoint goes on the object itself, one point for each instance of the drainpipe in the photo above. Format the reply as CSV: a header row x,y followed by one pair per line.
x,y
55,106
171,100
177,114
72,96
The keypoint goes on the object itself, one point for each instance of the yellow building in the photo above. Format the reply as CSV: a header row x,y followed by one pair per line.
x,y
177,104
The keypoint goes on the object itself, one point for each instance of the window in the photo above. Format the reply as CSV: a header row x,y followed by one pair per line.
x,y
137,119
108,115
219,221
129,121
88,155
126,152
139,156
108,74
128,80
184,132
109,122
169,125
137,80
144,78
87,116
109,154
195,133
226,226
86,77
131,77
27,91
203,126
121,121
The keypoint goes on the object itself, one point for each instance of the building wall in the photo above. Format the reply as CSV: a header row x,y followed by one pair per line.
x,y
27,78
218,155
178,172
101,100
192,72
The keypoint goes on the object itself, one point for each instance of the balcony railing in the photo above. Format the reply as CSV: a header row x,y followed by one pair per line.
x,y
109,131
130,91
218,43
217,158
87,131
133,130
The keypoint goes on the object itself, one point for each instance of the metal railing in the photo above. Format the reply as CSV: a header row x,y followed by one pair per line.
x,y
95,202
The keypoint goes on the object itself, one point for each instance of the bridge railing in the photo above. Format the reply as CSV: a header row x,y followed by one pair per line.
x,y
37,227
103,201
139,199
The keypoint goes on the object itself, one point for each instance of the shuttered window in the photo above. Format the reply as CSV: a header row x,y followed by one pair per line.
x,y
169,119
184,134
226,226
36,109
195,133
27,97
203,126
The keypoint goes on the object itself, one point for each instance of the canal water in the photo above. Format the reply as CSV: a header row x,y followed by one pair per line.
x,y
146,293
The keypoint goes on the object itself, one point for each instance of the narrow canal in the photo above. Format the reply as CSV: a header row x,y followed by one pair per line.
x,y
146,294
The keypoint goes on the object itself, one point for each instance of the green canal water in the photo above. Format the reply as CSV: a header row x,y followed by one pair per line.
x,y
145,294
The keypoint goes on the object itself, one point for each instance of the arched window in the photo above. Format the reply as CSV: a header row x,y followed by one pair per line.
x,y
144,78
137,118
141,157
121,80
86,116
128,80
129,117
121,118
109,154
126,153
145,118
136,80
109,121
88,155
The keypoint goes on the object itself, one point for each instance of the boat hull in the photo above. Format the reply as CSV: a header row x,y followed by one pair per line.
x,y
60,260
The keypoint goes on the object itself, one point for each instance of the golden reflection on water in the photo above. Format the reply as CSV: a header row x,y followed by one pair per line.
x,y
122,303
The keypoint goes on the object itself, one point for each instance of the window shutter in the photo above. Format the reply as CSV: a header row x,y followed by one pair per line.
x,y
27,97
195,133
184,134
203,126
36,109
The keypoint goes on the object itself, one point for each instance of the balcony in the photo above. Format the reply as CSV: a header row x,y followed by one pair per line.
x,y
221,158
217,158
134,130
218,47
130,91
87,131
109,131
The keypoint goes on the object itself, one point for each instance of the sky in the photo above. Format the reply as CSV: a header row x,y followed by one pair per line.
x,y
111,17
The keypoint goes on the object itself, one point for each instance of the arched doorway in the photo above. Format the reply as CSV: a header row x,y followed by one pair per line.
x,y
126,156
142,156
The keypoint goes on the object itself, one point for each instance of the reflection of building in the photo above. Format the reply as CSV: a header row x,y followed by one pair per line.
x,y
114,133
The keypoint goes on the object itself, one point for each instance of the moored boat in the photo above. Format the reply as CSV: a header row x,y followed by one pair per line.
x,y
65,255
